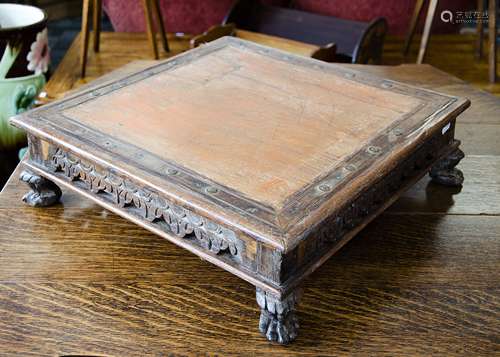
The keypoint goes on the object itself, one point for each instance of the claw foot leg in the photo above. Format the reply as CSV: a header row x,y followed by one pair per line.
x,y
444,172
43,192
278,321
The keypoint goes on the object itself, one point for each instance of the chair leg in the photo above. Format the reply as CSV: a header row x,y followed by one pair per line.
x,y
161,24
427,30
492,38
150,27
97,23
84,36
413,25
479,31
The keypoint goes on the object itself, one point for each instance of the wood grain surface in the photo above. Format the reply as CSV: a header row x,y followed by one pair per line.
x,y
300,48
76,279
422,279
228,117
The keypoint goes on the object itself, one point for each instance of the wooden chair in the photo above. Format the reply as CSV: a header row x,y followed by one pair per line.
x,y
324,53
357,42
150,7
492,33
213,34
431,11
419,6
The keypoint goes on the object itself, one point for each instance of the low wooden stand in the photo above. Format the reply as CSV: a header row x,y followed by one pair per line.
x,y
266,183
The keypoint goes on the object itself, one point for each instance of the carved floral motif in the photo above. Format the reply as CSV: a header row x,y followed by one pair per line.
x,y
147,204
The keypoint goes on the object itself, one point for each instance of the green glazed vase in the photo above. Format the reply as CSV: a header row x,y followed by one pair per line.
x,y
24,58
16,96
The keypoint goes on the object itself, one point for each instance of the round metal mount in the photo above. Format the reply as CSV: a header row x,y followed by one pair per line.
x,y
374,150
211,189
398,132
324,188
350,167
171,171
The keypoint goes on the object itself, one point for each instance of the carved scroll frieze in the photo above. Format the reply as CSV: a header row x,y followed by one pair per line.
x,y
354,213
146,204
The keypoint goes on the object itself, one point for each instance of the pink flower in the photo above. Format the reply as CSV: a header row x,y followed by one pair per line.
x,y
39,55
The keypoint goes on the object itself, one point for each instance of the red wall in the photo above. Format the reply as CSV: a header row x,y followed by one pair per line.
x,y
195,16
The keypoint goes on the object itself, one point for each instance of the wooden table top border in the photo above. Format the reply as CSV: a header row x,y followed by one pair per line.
x,y
307,203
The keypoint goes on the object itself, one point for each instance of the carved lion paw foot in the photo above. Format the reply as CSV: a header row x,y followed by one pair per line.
x,y
43,192
444,172
448,177
278,321
279,328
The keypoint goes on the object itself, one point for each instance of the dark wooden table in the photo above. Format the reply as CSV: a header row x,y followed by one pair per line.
x,y
422,279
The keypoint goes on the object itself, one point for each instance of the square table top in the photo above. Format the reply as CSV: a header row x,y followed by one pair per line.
x,y
259,137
